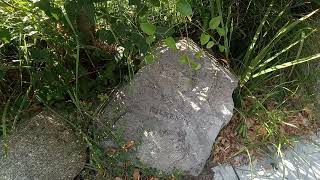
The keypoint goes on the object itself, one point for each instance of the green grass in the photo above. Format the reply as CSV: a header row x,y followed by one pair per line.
x,y
58,58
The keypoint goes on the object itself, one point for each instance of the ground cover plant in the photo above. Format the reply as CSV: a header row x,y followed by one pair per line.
x,y
68,56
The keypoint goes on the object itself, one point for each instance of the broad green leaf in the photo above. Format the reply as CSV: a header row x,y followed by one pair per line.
x,y
210,45
149,58
171,43
5,35
148,28
195,66
184,8
204,38
150,39
215,22
184,59
221,48
143,19
220,31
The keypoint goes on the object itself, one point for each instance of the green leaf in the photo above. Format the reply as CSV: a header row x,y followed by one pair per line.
x,y
149,58
204,38
150,39
184,59
210,45
143,19
285,65
171,43
220,31
215,22
221,48
5,35
184,8
55,16
148,28
195,66
105,35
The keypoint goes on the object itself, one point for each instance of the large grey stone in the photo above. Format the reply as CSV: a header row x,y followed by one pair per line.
x,y
302,162
175,113
42,148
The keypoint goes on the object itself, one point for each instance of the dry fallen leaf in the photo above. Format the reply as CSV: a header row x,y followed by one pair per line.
x,y
128,145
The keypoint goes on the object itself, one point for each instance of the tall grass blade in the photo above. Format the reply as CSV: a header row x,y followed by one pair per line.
x,y
252,67
288,64
24,100
303,35
285,50
256,36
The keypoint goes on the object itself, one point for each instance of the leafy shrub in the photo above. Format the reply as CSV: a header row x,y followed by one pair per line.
x,y
67,54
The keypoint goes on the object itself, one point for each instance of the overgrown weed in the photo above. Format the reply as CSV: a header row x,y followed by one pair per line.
x,y
66,55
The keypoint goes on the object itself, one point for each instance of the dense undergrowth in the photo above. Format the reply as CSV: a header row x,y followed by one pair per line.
x,y
69,55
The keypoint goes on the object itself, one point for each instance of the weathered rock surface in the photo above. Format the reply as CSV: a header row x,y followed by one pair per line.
x,y
175,113
299,163
42,149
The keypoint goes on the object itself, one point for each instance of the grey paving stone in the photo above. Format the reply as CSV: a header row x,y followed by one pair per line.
x,y
301,162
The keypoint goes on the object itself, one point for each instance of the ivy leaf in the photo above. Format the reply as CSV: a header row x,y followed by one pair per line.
x,y
149,58
210,45
5,35
171,43
148,28
215,22
150,39
204,38
221,31
184,8
184,59
221,48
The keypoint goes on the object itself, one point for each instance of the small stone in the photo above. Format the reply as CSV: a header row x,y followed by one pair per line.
x,y
42,148
224,172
